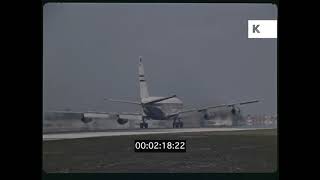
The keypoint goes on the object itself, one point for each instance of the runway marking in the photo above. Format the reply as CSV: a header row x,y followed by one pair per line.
x,y
194,137
61,136
247,147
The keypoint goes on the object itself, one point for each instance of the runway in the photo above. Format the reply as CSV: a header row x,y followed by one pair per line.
x,y
214,150
78,135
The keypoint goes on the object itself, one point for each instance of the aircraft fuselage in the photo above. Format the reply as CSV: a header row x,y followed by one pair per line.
x,y
160,110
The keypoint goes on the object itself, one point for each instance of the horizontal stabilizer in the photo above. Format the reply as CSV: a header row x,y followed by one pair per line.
x,y
124,101
160,99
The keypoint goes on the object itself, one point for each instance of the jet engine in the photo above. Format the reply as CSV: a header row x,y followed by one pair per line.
x,y
88,117
220,114
207,115
85,119
121,121
235,110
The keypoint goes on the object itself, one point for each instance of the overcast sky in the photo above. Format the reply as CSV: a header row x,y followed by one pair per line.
x,y
200,52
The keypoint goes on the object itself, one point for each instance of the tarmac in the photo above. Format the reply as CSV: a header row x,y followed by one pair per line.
x,y
208,150
77,135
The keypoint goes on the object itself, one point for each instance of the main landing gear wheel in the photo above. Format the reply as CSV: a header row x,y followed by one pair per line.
x,y
143,125
177,124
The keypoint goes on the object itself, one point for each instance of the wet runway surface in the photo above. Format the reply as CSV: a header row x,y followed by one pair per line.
x,y
77,135
213,150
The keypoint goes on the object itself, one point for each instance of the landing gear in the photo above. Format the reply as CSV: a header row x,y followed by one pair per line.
x,y
143,124
178,124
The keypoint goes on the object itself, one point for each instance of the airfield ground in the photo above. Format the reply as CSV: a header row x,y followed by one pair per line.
x,y
230,151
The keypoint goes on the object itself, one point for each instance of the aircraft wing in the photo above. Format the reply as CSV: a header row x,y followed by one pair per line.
x,y
212,107
125,101
80,112
227,105
129,113
99,112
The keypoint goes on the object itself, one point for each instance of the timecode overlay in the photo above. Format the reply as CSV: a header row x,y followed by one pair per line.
x,y
160,146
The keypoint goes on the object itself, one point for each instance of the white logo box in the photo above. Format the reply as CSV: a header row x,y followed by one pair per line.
x,y
262,28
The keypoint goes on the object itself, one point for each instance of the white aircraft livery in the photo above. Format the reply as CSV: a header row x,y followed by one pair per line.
x,y
158,108
165,108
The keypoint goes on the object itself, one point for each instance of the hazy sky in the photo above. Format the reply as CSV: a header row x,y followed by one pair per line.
x,y
198,51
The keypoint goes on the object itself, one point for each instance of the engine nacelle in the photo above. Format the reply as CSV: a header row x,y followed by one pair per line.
x,y
86,119
122,121
89,117
222,114
208,116
235,111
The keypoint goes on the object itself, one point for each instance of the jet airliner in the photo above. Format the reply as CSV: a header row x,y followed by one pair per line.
x,y
166,108
158,108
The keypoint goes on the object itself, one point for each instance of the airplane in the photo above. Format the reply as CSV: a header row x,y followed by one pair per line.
x,y
157,108
166,108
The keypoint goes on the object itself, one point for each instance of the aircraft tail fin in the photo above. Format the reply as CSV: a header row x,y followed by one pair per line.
x,y
144,93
